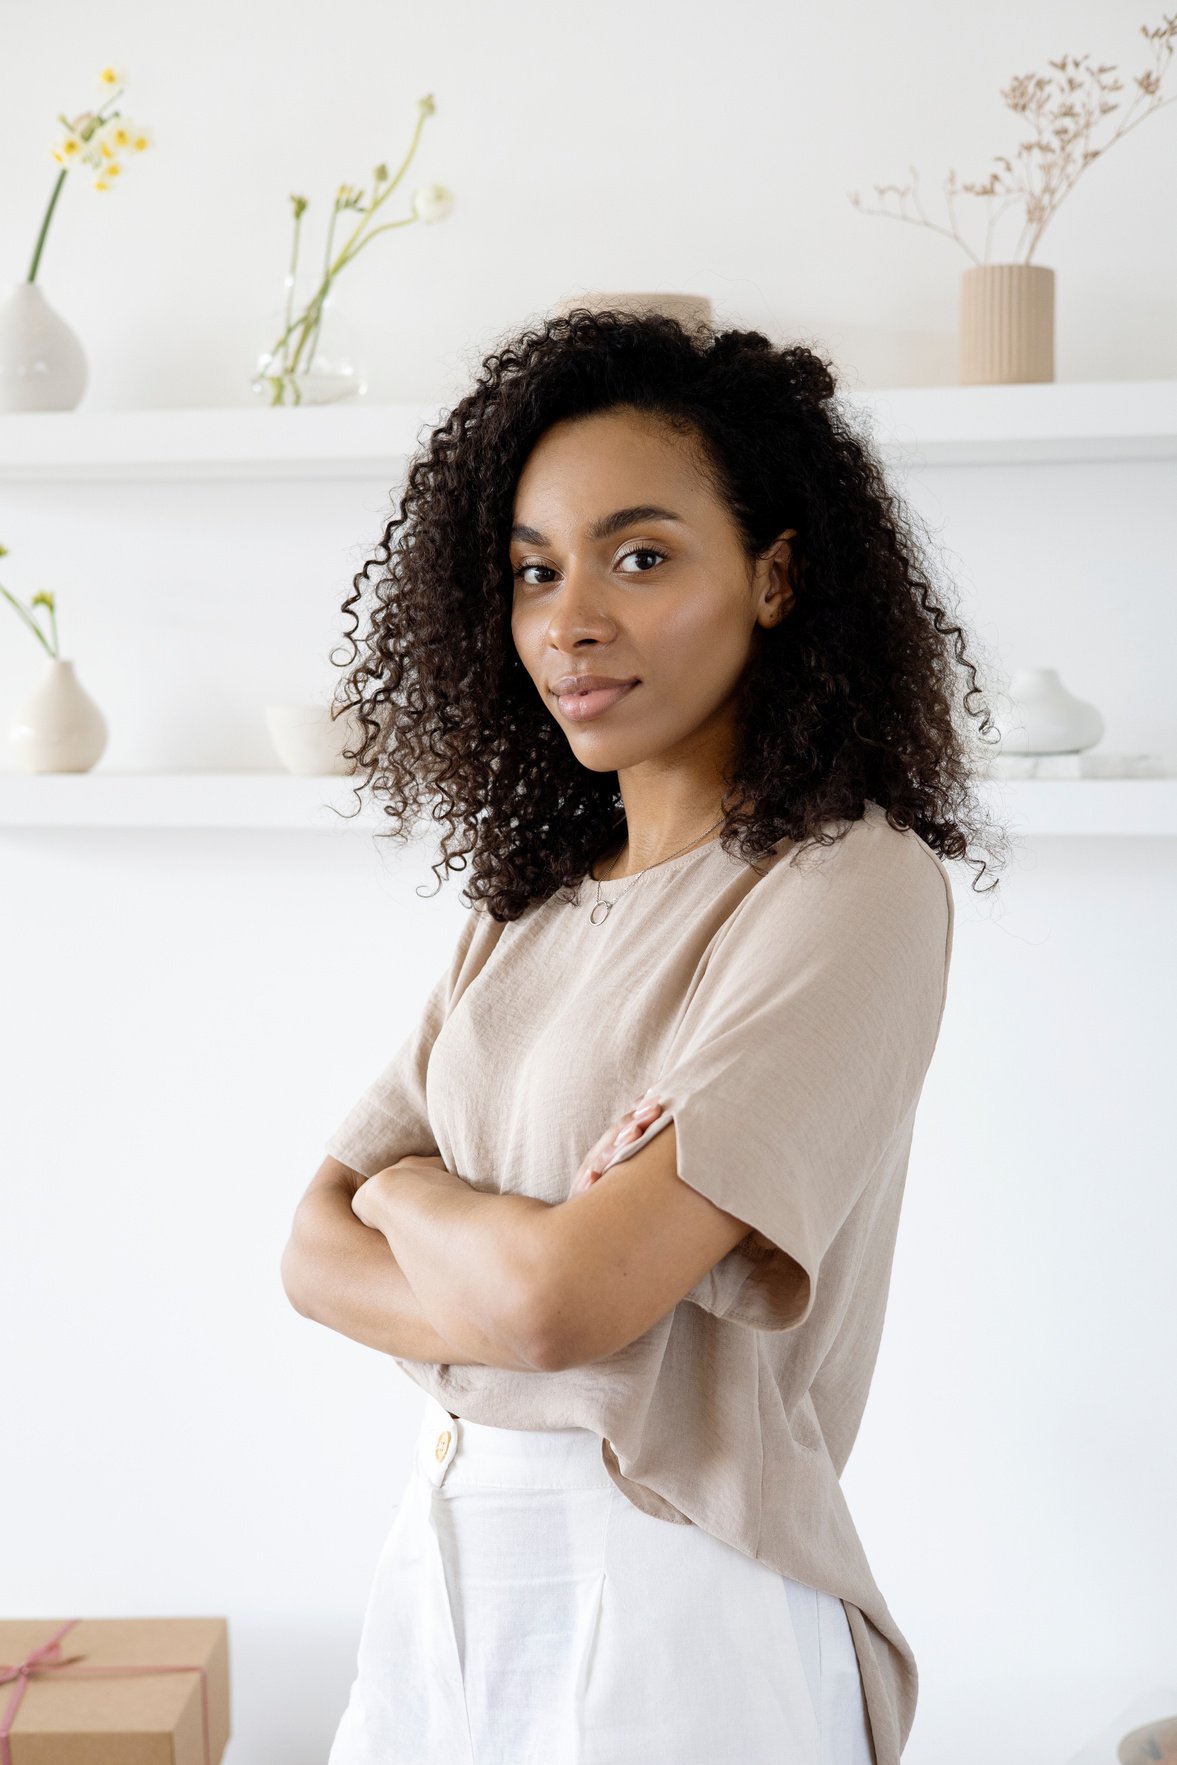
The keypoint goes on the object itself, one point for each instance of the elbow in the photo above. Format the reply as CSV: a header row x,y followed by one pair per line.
x,y
536,1329
545,1354
527,1341
549,1334
536,1316
560,1327
289,1273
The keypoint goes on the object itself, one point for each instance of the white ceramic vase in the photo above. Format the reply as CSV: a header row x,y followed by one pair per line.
x,y
58,728
42,363
1042,717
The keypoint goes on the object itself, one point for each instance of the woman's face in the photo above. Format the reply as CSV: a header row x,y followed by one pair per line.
x,y
668,601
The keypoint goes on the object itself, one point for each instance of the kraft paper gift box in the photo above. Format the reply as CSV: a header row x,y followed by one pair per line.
x,y
109,1691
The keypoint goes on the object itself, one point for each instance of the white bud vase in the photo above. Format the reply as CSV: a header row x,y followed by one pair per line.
x,y
42,363
1042,717
58,728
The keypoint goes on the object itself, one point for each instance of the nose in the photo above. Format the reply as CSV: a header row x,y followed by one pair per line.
x,y
579,611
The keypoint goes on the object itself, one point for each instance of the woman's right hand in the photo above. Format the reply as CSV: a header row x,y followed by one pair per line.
x,y
631,1126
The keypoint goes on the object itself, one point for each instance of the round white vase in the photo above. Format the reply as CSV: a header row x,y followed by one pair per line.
x,y
42,363
58,728
1042,717
309,742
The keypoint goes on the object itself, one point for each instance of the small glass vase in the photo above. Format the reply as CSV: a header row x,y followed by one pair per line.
x,y
314,364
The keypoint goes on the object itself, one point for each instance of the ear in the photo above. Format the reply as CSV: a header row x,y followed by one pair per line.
x,y
774,589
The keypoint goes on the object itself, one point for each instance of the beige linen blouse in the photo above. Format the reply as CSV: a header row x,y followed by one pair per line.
x,y
786,1013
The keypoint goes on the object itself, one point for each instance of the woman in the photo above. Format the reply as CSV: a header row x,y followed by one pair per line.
x,y
651,637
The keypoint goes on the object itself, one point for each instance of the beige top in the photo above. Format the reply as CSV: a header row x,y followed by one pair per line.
x,y
787,1019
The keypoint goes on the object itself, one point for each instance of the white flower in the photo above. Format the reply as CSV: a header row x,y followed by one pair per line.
x,y
117,133
68,151
432,202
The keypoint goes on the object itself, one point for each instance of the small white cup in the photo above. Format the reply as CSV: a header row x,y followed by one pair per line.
x,y
308,742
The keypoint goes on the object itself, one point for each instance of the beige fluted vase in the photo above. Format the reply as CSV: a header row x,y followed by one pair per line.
x,y
1006,324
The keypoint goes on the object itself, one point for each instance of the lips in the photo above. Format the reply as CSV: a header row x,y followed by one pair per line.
x,y
583,683
583,704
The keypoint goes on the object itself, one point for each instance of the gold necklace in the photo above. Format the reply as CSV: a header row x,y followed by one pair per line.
x,y
602,907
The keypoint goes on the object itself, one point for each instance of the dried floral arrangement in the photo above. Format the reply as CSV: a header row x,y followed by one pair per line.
x,y
1063,111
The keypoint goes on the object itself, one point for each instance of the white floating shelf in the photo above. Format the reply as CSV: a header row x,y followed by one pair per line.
x,y
160,800
279,801
322,441
920,425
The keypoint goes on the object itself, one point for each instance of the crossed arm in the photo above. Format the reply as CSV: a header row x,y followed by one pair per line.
x,y
420,1264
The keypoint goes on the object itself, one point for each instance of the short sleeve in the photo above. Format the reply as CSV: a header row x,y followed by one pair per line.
x,y
389,1119
800,1054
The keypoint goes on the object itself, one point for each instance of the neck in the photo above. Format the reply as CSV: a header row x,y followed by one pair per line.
x,y
632,857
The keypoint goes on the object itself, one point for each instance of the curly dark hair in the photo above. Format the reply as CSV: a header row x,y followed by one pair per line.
x,y
850,699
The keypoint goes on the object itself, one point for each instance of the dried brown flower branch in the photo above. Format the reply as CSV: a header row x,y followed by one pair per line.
x,y
1063,112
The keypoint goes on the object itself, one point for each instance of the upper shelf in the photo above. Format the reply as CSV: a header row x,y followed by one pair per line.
x,y
911,425
156,801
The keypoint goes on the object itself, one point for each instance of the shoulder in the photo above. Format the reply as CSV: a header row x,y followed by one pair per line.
x,y
477,937
862,853
869,879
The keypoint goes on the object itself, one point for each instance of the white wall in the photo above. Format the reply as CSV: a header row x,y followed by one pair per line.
x,y
612,146
188,1014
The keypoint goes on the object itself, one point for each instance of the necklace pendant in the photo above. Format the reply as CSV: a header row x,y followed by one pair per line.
x,y
602,908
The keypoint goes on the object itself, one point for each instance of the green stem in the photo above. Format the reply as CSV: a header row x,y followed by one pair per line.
x,y
281,344
28,618
311,318
330,237
384,195
315,336
326,287
385,227
40,245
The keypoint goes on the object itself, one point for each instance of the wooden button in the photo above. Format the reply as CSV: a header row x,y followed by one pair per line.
x,y
443,1443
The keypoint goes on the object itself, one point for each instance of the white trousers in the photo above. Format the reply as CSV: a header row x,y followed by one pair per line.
x,y
524,1612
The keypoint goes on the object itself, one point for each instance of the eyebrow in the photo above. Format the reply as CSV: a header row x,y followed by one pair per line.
x,y
607,526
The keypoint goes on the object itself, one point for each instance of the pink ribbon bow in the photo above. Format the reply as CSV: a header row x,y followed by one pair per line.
x,y
48,1658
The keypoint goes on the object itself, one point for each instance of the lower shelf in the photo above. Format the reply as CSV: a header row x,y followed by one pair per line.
x,y
160,800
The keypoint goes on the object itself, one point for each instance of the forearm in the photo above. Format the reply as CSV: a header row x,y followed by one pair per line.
x,y
342,1274
471,1256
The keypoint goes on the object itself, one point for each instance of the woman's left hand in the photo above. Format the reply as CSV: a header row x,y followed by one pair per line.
x,y
631,1126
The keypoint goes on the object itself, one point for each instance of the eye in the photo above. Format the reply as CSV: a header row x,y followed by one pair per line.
x,y
642,551
636,551
521,571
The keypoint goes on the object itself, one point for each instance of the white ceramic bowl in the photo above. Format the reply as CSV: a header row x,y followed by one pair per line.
x,y
307,741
